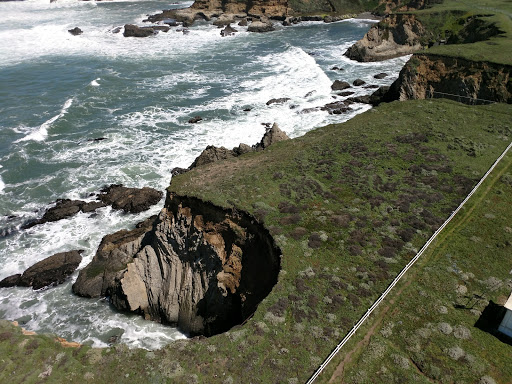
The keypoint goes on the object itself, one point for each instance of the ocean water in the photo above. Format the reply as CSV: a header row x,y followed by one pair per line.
x,y
58,92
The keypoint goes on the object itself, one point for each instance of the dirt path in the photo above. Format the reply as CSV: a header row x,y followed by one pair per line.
x,y
338,373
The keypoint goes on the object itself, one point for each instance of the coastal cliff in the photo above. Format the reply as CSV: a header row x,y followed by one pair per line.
x,y
471,82
196,265
396,35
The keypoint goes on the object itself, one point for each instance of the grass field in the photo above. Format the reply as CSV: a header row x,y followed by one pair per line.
x,y
452,18
428,330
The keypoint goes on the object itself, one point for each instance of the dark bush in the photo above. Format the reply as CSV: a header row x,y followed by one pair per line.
x,y
300,285
287,207
355,250
298,232
406,234
292,219
313,301
412,138
314,241
353,299
279,308
294,298
341,220
387,252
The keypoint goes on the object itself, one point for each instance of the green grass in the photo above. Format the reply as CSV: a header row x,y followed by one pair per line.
x,y
349,204
425,329
450,15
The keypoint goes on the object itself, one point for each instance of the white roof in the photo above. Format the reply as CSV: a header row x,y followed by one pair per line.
x,y
508,304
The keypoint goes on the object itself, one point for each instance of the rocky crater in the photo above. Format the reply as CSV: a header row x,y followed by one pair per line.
x,y
196,265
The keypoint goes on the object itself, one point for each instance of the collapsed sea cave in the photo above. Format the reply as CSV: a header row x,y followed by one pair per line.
x,y
198,266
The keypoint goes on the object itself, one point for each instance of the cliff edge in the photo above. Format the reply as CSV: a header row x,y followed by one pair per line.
x,y
196,265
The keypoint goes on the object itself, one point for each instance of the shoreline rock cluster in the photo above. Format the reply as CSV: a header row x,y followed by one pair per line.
x,y
132,200
212,154
53,270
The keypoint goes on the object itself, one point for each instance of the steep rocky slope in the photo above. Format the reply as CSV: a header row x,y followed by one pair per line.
x,y
470,82
396,35
196,265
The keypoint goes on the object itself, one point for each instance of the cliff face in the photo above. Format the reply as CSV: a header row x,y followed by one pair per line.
x,y
201,267
395,35
426,76
269,8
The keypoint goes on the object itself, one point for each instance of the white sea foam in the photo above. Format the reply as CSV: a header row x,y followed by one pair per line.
x,y
144,140
40,133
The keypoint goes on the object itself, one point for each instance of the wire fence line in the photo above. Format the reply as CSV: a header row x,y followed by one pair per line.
x,y
473,100
403,271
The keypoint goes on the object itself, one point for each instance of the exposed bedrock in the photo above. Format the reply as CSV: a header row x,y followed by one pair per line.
x,y
53,270
470,82
196,265
395,35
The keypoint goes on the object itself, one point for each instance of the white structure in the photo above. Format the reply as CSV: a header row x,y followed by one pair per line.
x,y
506,323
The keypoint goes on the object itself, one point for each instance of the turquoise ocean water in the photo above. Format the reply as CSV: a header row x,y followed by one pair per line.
x,y
58,92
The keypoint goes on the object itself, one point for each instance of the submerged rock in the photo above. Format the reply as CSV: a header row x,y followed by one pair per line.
x,y
50,271
195,119
199,266
228,31
75,31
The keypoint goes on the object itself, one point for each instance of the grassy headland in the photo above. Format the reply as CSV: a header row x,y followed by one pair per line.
x,y
476,30
349,204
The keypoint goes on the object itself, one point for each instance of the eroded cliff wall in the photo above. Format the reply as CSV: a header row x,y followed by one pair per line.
x,y
470,82
196,265
396,35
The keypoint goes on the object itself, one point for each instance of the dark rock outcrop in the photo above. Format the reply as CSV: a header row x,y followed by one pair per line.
x,y
260,27
381,75
131,30
228,31
10,281
212,154
133,200
395,35
339,85
278,101
337,107
63,209
50,271
199,266
271,136
75,31
358,82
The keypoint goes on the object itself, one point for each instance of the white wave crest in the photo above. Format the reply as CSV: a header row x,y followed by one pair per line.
x,y
41,133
